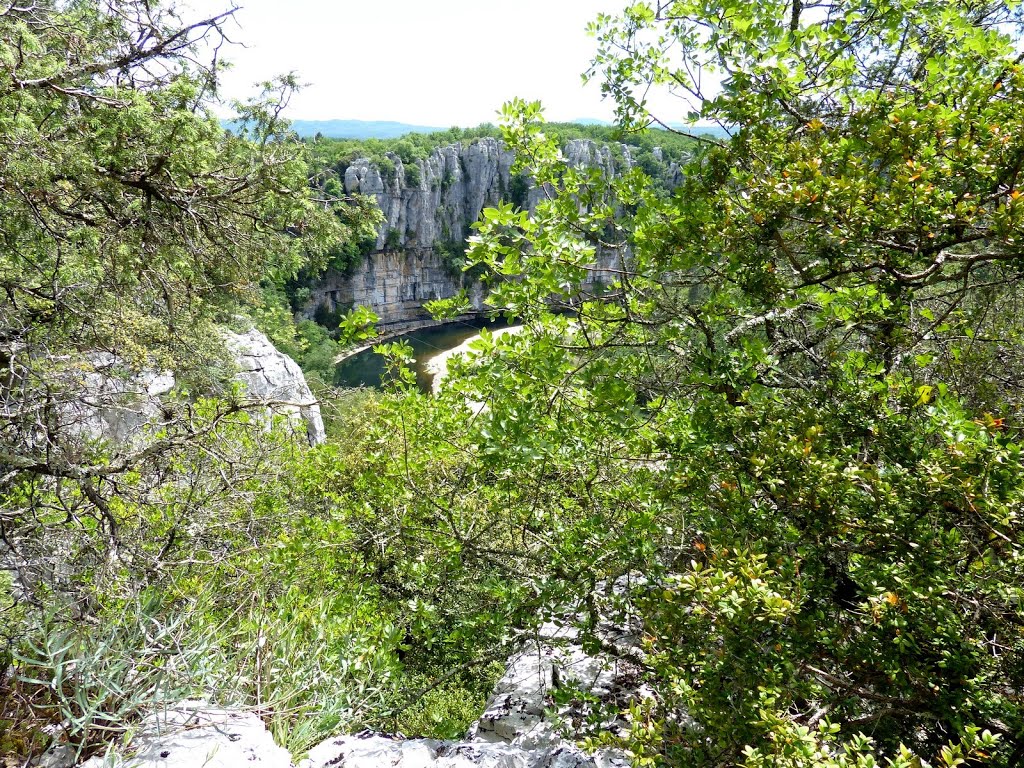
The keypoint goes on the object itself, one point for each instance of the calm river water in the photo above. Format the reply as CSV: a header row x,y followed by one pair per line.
x,y
366,368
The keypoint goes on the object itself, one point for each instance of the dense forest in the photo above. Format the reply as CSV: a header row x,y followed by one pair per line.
x,y
791,427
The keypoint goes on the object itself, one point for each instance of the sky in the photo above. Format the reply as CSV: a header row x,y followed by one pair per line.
x,y
427,62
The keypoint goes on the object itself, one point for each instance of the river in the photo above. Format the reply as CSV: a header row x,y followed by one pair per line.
x,y
366,368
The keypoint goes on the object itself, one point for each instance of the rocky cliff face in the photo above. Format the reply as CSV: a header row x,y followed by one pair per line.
x,y
394,283
117,407
429,207
438,201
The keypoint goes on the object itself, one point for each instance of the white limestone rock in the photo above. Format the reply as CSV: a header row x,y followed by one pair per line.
x,y
192,734
114,404
60,756
271,376
372,750
363,177
117,404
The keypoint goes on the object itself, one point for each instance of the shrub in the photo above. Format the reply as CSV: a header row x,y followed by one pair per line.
x,y
442,713
519,191
386,166
413,175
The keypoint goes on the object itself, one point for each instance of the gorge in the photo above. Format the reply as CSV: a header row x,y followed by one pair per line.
x,y
758,501
429,206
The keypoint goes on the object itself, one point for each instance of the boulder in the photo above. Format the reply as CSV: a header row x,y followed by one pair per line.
x,y
192,734
115,404
270,376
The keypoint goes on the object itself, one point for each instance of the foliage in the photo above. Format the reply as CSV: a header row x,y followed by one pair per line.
x,y
338,154
413,177
455,263
445,712
519,190
358,325
131,225
279,591
796,411
132,221
793,411
393,239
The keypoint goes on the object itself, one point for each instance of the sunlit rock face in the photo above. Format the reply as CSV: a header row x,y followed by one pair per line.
x,y
117,405
438,201
429,211
192,734
271,377
395,284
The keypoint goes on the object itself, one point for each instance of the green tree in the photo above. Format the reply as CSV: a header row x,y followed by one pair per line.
x,y
131,225
796,410
131,221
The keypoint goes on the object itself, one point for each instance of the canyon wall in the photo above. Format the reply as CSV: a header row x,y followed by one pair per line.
x,y
429,207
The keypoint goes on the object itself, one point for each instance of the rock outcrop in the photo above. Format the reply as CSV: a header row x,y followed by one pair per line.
x,y
514,731
429,207
439,201
272,377
395,284
116,405
192,734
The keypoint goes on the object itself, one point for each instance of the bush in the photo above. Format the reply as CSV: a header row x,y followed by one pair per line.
x,y
413,175
386,166
442,713
519,191
98,680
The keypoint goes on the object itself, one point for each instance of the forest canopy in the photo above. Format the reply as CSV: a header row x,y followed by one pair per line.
x,y
790,422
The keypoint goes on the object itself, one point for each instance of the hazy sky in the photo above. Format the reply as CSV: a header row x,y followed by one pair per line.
x,y
429,62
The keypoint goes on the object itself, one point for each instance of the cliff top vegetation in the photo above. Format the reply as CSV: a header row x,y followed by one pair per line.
x,y
337,154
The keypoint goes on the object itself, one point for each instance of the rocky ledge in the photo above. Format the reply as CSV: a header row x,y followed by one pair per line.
x,y
516,730
117,406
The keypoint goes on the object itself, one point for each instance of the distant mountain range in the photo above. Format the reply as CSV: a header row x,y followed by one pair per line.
x,y
389,129
359,129
351,129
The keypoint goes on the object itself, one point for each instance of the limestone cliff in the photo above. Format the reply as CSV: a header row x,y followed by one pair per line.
x,y
117,405
429,206
440,199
